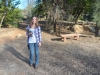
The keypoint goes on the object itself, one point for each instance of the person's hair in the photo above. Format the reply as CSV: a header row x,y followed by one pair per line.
x,y
36,22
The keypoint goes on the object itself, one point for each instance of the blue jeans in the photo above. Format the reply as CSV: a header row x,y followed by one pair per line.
x,y
34,49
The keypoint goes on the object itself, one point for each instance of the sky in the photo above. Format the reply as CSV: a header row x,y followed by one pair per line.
x,y
23,4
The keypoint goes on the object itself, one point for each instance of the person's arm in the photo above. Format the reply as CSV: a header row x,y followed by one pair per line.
x,y
27,31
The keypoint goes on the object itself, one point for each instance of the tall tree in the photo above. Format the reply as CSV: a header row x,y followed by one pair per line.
x,y
77,7
7,6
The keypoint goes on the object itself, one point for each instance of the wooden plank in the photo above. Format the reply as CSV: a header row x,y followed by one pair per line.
x,y
64,36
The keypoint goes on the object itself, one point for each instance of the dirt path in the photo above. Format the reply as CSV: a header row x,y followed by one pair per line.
x,y
80,57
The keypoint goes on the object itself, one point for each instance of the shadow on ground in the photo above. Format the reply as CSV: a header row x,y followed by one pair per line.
x,y
16,53
56,39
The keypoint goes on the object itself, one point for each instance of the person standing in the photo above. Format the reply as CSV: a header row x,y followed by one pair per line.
x,y
34,41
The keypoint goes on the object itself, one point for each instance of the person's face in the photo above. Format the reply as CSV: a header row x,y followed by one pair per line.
x,y
34,20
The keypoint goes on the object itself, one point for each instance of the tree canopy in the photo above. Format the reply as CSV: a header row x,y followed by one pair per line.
x,y
9,11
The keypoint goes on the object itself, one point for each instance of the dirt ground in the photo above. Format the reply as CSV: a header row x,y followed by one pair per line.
x,y
73,57
9,34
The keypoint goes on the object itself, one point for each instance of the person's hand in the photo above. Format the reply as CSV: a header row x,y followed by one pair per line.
x,y
30,34
39,44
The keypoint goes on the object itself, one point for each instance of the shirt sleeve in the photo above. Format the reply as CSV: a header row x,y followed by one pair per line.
x,y
39,33
27,28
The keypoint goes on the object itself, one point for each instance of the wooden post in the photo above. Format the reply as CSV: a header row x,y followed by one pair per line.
x,y
64,39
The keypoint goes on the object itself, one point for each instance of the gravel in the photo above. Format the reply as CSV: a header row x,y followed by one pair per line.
x,y
73,57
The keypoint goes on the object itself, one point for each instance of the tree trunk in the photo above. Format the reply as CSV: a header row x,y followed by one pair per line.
x,y
76,18
97,31
2,20
59,29
54,26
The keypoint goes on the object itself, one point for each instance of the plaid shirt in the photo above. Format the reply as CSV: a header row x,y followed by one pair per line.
x,y
38,33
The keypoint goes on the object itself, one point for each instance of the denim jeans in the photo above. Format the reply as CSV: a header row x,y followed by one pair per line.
x,y
34,49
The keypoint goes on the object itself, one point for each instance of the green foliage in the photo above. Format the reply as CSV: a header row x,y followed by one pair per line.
x,y
78,7
97,12
39,10
34,8
13,15
9,11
